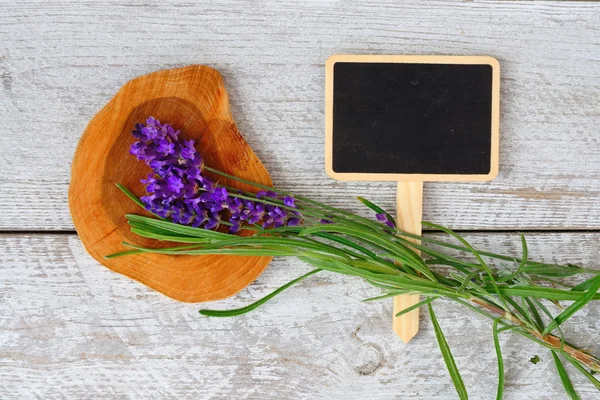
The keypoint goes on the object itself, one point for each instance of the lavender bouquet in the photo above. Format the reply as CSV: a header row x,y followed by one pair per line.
x,y
515,293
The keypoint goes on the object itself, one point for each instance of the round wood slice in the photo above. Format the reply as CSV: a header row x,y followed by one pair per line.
x,y
194,100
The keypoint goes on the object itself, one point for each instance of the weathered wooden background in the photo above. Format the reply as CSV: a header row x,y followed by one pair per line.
x,y
69,328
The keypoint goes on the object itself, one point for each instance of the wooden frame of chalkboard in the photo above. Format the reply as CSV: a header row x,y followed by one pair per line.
x,y
413,59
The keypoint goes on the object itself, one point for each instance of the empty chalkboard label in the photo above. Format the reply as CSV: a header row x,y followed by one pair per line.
x,y
411,119
415,118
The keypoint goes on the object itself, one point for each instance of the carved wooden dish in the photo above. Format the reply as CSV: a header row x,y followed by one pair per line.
x,y
194,100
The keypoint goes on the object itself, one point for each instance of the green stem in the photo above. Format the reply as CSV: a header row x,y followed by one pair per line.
x,y
365,248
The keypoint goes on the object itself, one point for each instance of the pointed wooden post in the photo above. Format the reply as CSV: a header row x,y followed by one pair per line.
x,y
409,203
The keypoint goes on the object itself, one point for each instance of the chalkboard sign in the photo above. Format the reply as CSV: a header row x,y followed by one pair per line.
x,y
412,118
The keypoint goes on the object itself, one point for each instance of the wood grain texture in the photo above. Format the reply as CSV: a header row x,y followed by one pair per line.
x,y
71,328
409,214
60,61
194,100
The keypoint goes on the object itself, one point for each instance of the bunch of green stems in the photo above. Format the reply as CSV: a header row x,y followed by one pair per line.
x,y
514,298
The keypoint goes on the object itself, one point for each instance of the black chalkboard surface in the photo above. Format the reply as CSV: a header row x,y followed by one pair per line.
x,y
412,117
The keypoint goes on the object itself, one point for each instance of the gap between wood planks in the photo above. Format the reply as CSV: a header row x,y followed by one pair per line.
x,y
425,231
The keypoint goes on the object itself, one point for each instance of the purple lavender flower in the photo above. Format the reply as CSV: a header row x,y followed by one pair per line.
x,y
384,219
294,221
288,201
178,191
174,184
213,221
261,194
381,217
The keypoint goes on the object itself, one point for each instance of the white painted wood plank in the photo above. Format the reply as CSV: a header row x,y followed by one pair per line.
x,y
70,328
60,62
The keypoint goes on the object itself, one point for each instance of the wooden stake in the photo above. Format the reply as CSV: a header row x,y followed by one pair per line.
x,y
409,203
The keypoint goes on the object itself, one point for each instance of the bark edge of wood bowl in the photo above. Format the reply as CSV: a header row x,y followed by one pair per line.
x,y
194,100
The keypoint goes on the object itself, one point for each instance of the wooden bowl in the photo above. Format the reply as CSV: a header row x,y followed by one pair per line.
x,y
194,100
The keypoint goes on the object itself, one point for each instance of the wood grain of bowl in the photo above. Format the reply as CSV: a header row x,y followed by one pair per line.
x,y
194,100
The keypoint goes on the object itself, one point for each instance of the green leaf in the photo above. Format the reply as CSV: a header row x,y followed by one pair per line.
x,y
411,267
375,267
525,253
522,311
152,229
477,256
522,264
131,196
576,306
248,308
137,251
585,372
377,239
483,253
136,200
585,285
535,359
564,377
543,293
175,239
123,253
500,391
241,251
537,317
415,306
177,228
388,288
467,280
400,282
346,242
448,359
384,296
510,328
376,208
549,314
551,270
371,205
440,260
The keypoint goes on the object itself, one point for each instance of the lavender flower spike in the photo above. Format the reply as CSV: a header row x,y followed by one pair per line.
x,y
178,191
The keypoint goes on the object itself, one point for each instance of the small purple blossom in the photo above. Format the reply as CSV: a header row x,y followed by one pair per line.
x,y
384,219
220,194
175,184
213,222
294,221
235,226
289,201
166,147
261,194
381,217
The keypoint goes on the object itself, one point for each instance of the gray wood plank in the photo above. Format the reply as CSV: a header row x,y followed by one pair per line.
x,y
70,328
60,62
